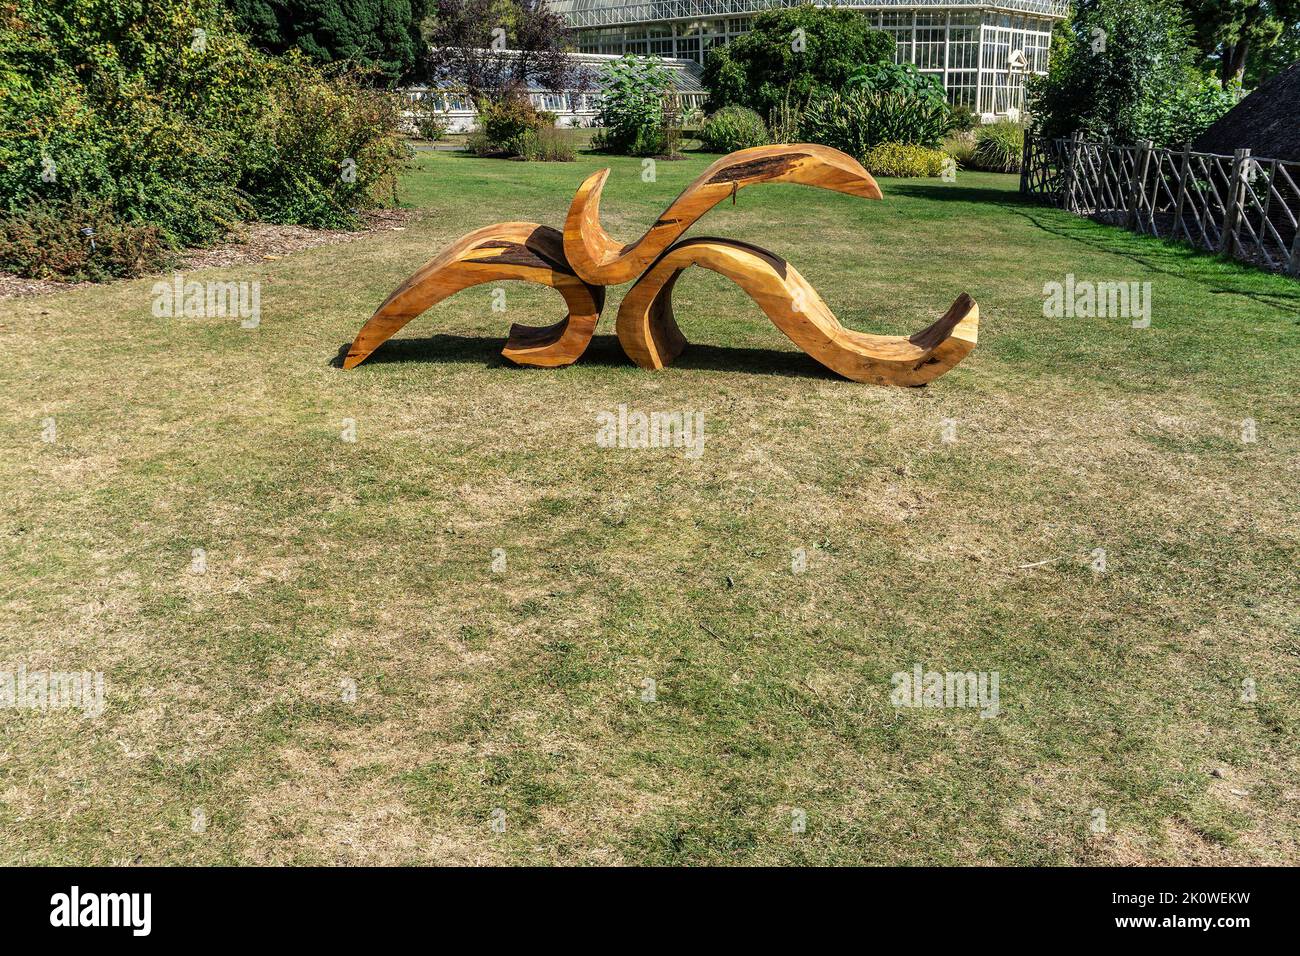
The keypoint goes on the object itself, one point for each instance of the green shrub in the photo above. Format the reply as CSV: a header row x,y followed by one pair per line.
x,y
732,128
648,142
343,138
861,118
904,160
507,123
632,115
964,119
426,119
961,147
549,145
380,35
54,241
512,127
891,77
165,114
999,147
838,121
118,106
1187,112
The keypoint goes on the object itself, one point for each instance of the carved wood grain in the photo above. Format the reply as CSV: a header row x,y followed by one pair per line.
x,y
504,251
600,259
648,332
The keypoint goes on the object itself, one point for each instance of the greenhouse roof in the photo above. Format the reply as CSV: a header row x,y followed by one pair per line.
x,y
596,13
684,74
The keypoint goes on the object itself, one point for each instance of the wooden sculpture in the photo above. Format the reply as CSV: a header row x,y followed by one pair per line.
x,y
582,260
506,250
649,335
602,260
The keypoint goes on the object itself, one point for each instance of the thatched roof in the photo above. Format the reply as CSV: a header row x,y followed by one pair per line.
x,y
1267,122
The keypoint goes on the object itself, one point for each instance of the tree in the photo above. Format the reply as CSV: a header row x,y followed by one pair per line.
x,y
1265,62
1229,31
379,34
634,91
791,54
493,47
1124,70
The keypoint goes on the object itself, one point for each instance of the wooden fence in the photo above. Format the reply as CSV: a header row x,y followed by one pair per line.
x,y
1241,206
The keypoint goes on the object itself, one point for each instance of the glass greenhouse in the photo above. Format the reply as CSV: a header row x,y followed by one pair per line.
x,y
982,51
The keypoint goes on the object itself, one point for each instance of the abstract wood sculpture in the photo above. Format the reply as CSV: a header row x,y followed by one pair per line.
x,y
582,260
648,331
602,260
507,250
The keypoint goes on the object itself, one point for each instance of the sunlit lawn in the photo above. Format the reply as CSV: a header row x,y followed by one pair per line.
x,y
521,690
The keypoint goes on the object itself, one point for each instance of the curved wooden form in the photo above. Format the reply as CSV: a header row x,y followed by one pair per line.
x,y
507,250
602,260
649,335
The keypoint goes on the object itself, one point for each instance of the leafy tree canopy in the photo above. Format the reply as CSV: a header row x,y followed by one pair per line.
x,y
1234,34
379,34
494,47
791,54
1124,70
1265,62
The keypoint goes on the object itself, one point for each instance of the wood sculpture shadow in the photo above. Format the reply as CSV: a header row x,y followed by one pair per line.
x,y
600,259
523,251
648,331
449,348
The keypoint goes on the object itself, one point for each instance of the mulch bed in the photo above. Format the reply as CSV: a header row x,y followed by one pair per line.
x,y
255,242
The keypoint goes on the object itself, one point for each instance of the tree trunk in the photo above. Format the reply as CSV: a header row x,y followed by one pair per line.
x,y
1233,65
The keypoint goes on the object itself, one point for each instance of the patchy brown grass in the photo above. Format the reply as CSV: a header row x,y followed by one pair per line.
x,y
331,563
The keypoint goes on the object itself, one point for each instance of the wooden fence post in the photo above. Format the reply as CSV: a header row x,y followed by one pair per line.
x,y
1236,197
1183,168
1075,143
1138,184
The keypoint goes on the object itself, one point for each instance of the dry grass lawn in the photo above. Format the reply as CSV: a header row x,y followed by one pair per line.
x,y
332,563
